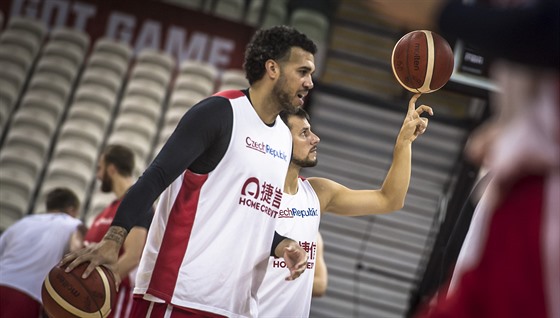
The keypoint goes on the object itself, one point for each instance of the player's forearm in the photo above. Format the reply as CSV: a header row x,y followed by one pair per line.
x,y
320,279
397,181
116,235
132,251
127,263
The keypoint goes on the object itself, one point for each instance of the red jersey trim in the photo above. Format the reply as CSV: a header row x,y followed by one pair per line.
x,y
176,237
230,94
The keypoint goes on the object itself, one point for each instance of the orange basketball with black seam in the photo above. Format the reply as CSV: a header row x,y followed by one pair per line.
x,y
68,295
422,61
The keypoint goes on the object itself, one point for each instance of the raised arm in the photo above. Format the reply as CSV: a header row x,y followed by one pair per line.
x,y
338,199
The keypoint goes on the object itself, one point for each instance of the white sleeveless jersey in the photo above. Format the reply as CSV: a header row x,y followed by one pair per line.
x,y
212,232
298,219
31,247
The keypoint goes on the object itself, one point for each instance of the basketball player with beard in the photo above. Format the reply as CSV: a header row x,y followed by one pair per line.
x,y
114,170
219,180
306,199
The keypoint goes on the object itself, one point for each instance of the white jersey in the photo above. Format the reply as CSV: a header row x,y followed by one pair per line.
x,y
299,220
211,234
31,247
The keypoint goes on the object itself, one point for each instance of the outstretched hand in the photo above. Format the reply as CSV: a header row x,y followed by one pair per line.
x,y
295,257
414,125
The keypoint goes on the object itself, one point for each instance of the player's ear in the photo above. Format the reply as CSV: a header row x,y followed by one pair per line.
x,y
272,69
111,169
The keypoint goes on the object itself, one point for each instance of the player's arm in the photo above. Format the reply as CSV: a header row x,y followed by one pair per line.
x,y
341,200
133,246
294,255
197,131
320,279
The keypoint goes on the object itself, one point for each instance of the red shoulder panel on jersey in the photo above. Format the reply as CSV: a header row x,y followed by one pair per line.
x,y
230,94
302,178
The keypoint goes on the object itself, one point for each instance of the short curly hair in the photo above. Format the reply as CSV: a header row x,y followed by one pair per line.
x,y
272,44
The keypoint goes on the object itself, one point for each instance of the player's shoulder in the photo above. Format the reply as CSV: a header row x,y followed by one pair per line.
x,y
211,106
230,94
323,185
317,183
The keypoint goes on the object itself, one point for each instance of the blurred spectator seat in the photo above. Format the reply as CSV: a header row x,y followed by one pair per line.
x,y
142,105
34,119
33,140
275,14
23,159
82,130
62,51
76,150
198,70
137,124
89,112
189,84
156,58
17,181
190,4
230,9
233,79
71,37
92,96
34,28
110,46
13,207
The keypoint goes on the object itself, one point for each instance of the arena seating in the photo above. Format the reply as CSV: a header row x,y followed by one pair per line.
x,y
64,96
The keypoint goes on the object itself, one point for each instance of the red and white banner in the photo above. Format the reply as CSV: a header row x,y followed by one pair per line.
x,y
183,33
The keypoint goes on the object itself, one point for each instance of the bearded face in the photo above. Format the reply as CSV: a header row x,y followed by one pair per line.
x,y
106,182
304,162
281,92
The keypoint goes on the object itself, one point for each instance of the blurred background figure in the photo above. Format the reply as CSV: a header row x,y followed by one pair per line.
x,y
114,171
31,247
509,264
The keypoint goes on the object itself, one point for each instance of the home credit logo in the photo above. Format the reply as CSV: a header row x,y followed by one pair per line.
x,y
289,213
261,196
309,247
265,148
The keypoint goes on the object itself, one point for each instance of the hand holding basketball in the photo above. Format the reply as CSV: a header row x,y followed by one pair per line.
x,y
105,252
69,295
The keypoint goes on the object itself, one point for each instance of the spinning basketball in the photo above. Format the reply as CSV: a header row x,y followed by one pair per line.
x,y
69,295
422,61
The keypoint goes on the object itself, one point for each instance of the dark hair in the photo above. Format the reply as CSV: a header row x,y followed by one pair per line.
x,y
61,199
300,112
120,156
272,44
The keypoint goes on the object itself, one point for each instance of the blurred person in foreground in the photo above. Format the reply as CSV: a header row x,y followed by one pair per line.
x,y
509,265
31,247
115,169
306,199
219,179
